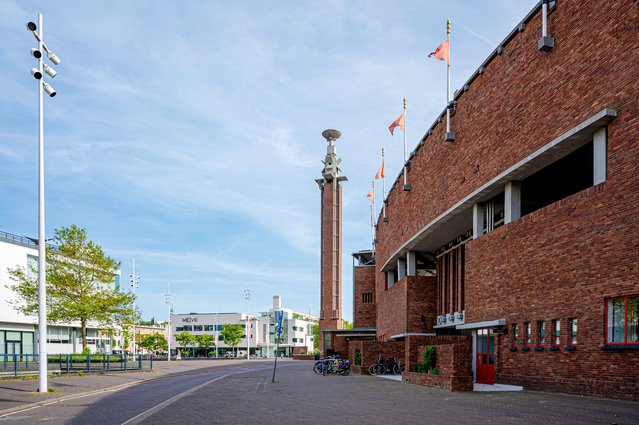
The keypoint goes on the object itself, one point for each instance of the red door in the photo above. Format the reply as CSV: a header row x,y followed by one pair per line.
x,y
485,356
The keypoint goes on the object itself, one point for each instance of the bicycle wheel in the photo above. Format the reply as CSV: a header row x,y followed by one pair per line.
x,y
317,367
397,369
345,371
371,369
381,369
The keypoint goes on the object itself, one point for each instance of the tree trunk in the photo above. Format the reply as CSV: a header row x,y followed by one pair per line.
x,y
83,334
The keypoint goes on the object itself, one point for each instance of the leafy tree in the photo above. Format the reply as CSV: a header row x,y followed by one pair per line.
x,y
316,337
185,339
79,284
154,342
204,340
232,334
348,325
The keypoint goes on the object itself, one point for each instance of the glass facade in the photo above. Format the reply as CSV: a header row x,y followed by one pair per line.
x,y
16,342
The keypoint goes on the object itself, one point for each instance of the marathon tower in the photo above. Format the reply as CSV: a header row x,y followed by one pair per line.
x,y
331,239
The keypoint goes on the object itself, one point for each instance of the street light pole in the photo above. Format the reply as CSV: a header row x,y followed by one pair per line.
x,y
168,298
248,295
134,284
38,74
216,319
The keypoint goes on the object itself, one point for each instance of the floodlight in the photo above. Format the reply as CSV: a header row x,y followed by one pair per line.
x,y
36,73
49,89
36,53
50,71
53,58
31,26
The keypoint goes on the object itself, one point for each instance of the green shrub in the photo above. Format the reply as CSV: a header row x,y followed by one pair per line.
x,y
419,367
434,371
302,351
430,357
358,358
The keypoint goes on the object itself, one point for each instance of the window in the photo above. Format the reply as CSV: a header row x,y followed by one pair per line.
x,y
367,297
197,327
209,328
527,334
179,329
541,333
622,316
556,332
450,266
515,340
572,328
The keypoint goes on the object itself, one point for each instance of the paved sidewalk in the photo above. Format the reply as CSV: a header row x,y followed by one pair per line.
x,y
16,394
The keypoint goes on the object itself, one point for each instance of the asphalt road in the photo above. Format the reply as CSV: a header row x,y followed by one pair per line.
x,y
244,394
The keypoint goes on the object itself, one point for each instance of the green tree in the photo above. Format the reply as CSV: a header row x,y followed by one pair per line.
x,y
316,337
348,325
185,339
204,340
154,342
232,334
80,285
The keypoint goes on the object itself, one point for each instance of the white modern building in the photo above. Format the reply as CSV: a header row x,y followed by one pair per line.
x,y
18,332
296,333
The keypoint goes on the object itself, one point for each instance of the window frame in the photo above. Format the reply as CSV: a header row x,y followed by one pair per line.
x,y
572,336
541,333
514,340
527,335
555,339
626,343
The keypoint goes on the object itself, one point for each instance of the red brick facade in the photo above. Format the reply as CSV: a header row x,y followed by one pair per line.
x,y
560,261
364,313
331,313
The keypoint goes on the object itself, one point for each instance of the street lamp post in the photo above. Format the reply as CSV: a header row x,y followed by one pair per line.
x,y
216,320
248,295
38,74
168,298
134,284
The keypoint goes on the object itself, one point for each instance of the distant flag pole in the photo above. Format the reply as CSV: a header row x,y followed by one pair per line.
x,y
448,78
401,123
380,175
372,226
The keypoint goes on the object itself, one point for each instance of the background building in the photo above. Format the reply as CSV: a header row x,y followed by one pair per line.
x,y
18,332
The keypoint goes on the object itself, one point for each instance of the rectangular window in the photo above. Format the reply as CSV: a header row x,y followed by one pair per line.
x,y
541,333
367,297
572,328
527,334
622,320
450,271
197,327
556,332
179,329
209,328
515,340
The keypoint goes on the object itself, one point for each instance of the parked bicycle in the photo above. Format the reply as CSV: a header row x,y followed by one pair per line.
x,y
390,366
332,364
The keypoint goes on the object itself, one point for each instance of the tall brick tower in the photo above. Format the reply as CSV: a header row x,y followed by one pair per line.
x,y
331,238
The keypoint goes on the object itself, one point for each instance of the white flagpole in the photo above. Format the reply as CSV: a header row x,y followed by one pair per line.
x,y
405,173
448,78
374,203
384,185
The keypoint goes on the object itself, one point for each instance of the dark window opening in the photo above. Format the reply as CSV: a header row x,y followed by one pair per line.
x,y
451,281
367,297
571,174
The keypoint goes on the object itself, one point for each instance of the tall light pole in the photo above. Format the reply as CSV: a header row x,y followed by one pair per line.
x,y
38,74
216,320
135,279
168,298
248,295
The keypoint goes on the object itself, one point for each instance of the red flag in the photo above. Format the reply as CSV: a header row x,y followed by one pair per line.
x,y
399,122
380,172
371,195
442,52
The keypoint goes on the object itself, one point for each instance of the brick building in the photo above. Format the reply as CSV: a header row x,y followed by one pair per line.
x,y
521,237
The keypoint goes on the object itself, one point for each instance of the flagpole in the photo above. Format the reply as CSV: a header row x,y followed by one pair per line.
x,y
384,184
372,227
374,203
448,78
406,187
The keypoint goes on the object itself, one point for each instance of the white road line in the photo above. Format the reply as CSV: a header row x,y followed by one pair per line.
x,y
142,416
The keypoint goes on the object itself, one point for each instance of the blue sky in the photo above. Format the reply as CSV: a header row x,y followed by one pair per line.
x,y
188,134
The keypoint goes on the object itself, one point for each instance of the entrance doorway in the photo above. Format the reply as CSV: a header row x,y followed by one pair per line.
x,y
485,356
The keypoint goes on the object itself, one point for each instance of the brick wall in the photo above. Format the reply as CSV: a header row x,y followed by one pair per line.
x,y
364,315
371,350
408,306
327,319
561,261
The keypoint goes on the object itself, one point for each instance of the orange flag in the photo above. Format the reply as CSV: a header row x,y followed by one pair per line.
x,y
399,122
380,172
371,195
442,52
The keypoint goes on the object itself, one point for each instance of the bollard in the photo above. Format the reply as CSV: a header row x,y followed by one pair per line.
x,y
109,363
68,365
139,361
125,361
15,364
151,365
88,363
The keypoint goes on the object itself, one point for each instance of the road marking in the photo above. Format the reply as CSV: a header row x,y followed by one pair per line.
x,y
144,415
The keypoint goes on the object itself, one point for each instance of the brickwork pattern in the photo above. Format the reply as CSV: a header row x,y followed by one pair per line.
x,y
561,261
364,314
327,319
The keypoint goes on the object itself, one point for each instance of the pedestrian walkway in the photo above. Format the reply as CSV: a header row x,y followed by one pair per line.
x,y
16,394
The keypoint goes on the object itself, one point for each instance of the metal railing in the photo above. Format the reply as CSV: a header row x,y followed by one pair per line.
x,y
27,364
